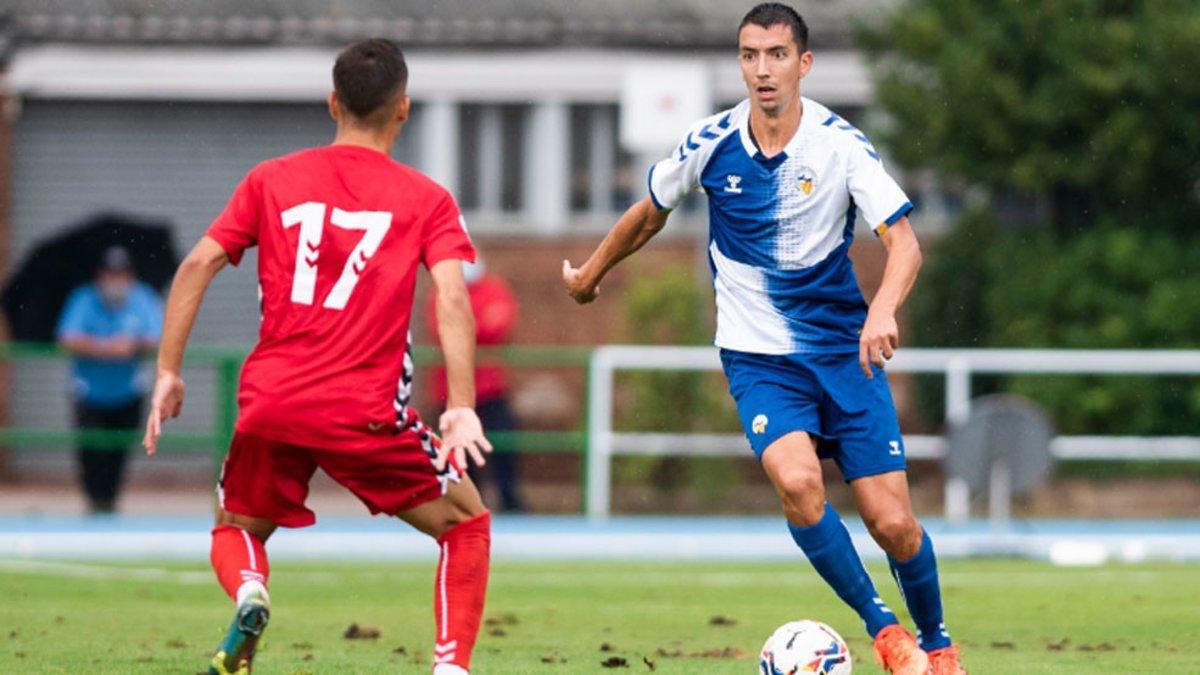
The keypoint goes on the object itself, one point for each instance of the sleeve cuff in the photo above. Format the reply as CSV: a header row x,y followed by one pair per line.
x,y
904,210
456,253
234,253
650,186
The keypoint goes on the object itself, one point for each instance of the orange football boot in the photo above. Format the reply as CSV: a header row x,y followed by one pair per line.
x,y
897,652
944,661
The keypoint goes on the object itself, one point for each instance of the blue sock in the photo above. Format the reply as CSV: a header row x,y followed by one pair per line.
x,y
918,581
828,547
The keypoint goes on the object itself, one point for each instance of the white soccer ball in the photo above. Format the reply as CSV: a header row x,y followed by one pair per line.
x,y
805,647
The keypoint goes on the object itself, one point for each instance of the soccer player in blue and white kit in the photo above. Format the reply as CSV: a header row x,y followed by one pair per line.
x,y
786,178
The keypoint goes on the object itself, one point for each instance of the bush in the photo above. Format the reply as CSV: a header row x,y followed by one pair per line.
x,y
672,306
1110,287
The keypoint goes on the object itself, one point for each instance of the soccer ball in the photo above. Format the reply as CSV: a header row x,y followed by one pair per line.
x,y
805,647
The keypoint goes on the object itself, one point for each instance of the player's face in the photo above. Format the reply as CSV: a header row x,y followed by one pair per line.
x,y
772,65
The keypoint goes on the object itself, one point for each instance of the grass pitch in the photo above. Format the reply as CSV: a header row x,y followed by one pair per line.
x,y
1009,616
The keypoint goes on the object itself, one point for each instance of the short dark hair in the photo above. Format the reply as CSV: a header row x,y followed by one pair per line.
x,y
368,75
769,14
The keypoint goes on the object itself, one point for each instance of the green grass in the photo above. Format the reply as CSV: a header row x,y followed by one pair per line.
x,y
1010,616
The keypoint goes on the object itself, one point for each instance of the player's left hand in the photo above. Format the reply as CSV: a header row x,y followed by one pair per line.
x,y
879,340
462,435
166,402
580,289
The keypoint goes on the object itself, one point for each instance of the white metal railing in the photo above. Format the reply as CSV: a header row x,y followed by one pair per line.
x,y
958,366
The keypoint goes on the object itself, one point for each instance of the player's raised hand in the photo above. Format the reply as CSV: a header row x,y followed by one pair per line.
x,y
166,402
879,339
462,436
578,288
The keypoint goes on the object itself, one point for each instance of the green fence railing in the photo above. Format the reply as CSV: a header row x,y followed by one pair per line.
x,y
226,364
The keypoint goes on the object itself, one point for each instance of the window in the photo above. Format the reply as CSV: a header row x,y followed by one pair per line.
x,y
491,157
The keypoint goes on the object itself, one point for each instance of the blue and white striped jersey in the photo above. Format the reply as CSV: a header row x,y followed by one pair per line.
x,y
780,228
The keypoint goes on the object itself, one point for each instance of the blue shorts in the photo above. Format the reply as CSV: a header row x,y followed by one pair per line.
x,y
852,418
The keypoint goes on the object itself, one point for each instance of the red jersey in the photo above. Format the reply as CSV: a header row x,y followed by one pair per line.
x,y
495,310
340,230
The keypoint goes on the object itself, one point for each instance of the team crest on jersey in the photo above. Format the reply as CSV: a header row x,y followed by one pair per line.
x,y
806,180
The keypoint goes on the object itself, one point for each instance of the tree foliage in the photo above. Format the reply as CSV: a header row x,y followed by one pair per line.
x,y
1092,107
1092,102
671,306
1113,286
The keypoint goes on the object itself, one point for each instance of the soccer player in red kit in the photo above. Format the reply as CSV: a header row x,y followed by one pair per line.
x,y
341,231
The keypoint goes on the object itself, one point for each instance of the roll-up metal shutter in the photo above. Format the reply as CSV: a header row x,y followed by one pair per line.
x,y
174,161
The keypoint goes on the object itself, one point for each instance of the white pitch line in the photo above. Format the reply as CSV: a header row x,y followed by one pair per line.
x,y
86,571
122,573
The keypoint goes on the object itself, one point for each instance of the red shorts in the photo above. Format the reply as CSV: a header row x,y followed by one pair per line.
x,y
269,479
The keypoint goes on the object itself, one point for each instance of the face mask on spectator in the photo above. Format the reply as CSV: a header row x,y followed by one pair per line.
x,y
114,291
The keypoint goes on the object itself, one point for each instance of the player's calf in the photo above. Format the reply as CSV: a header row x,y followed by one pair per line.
x,y
917,577
459,592
238,558
462,526
240,562
829,548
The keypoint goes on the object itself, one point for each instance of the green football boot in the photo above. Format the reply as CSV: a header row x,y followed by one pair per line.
x,y
237,649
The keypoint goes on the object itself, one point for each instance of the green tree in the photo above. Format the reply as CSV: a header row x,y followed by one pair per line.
x,y
672,306
1092,103
1089,107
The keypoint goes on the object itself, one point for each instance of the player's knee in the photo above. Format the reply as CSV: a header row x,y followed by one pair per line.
x,y
259,527
454,515
897,533
803,495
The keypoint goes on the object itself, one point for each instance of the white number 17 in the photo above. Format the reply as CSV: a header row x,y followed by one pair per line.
x,y
310,216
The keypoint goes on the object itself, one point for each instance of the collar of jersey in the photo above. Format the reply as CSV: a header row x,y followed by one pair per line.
x,y
793,145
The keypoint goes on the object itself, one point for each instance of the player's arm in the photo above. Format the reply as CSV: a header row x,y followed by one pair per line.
x,y
191,281
462,434
116,348
669,182
73,338
881,335
637,226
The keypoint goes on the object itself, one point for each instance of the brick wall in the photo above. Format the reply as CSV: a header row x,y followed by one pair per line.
x,y
552,398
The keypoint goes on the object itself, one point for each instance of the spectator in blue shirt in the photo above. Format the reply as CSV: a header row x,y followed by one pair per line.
x,y
109,325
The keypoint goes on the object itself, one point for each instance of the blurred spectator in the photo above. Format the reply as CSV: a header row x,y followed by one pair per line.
x,y
108,325
495,309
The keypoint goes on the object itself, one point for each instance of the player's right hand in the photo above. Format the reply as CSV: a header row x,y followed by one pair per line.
x,y
462,435
879,340
166,402
578,288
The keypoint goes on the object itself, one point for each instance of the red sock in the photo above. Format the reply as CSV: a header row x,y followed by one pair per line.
x,y
460,588
237,557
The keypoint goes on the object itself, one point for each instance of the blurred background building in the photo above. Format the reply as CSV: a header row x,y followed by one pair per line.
x,y
159,108
1056,185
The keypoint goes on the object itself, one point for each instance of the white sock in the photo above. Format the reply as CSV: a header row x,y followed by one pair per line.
x,y
249,587
449,669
